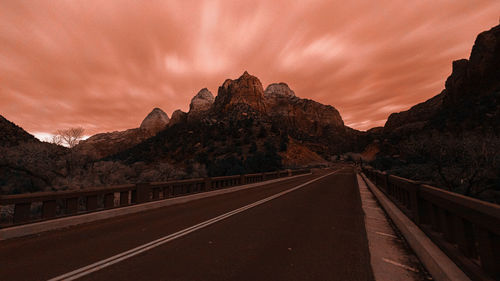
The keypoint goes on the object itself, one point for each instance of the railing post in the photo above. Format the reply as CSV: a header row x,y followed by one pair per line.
x,y
72,205
488,252
49,209
91,202
22,212
142,192
124,198
109,200
242,180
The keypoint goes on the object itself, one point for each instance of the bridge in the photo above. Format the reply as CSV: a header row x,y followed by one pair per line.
x,y
340,223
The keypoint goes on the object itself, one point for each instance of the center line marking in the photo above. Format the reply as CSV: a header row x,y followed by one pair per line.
x,y
75,274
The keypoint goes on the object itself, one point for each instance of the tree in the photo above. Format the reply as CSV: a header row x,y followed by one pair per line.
x,y
69,137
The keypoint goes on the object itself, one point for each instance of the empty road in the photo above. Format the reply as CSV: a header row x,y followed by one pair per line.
x,y
314,232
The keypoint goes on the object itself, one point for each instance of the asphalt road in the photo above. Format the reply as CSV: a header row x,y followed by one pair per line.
x,y
316,232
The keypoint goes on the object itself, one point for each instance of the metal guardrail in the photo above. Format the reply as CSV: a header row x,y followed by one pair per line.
x,y
34,207
466,229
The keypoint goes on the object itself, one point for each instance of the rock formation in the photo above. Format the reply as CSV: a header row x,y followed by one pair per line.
x,y
305,114
246,90
178,116
277,90
200,104
156,121
105,144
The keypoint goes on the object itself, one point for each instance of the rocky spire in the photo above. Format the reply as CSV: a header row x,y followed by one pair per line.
x,y
201,103
155,121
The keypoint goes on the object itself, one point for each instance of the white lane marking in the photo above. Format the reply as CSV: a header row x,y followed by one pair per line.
x,y
386,234
400,265
153,244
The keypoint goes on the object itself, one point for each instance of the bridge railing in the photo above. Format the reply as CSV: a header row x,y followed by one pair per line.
x,y
39,206
466,229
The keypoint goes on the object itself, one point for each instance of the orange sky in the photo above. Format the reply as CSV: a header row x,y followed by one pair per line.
x,y
105,64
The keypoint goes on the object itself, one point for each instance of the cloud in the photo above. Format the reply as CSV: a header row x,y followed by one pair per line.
x,y
104,65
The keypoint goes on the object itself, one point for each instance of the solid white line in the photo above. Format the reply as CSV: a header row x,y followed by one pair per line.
x,y
153,244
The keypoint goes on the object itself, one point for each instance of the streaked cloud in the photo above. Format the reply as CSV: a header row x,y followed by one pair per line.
x,y
105,64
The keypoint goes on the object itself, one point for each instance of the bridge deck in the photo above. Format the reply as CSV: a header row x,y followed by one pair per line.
x,y
316,232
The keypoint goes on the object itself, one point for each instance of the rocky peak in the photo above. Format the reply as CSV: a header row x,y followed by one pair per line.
x,y
246,90
201,103
178,116
155,121
478,76
278,90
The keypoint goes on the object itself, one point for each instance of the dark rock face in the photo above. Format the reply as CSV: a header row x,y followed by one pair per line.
x,y
12,135
470,100
414,118
245,90
478,76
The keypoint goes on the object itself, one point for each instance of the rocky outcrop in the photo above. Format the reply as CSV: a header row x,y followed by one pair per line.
x,y
278,90
12,135
478,76
200,104
246,90
106,144
307,115
156,121
178,116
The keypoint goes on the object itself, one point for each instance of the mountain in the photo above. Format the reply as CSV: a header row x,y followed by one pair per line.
x,y
453,139
105,144
470,100
12,134
246,129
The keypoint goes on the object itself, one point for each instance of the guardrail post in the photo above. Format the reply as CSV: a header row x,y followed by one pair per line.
x,y
142,192
242,180
22,212
167,191
49,209
91,202
156,193
72,205
124,198
109,200
488,252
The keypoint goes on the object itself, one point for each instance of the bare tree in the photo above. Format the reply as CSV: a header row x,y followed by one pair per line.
x,y
70,137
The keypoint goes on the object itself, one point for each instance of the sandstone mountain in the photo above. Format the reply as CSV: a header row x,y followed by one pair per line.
x,y
105,144
247,129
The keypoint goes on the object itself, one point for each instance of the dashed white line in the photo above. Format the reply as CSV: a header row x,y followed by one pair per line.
x,y
400,265
386,234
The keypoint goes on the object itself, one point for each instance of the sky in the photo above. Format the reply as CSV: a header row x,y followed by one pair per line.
x,y
105,65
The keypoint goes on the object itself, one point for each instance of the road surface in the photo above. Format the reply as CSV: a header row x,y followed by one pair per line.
x,y
315,232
